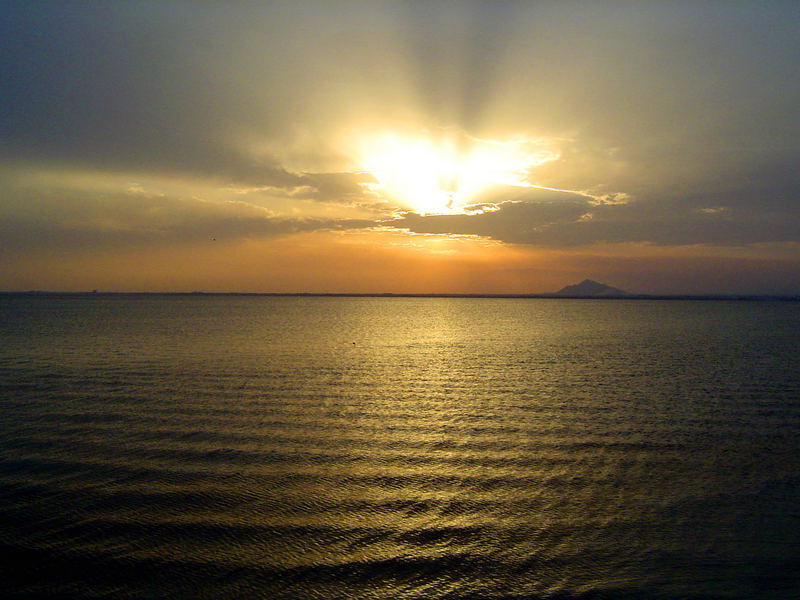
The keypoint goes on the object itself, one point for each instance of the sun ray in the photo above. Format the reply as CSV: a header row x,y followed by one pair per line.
x,y
443,175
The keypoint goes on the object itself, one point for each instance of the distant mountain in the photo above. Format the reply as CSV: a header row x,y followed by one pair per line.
x,y
591,289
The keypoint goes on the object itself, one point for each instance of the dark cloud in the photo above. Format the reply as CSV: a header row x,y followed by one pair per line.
x,y
675,91
515,221
66,220
577,221
336,187
125,86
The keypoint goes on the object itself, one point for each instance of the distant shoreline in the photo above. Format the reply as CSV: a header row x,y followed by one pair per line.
x,y
704,297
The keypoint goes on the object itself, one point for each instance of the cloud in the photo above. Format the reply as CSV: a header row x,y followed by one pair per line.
x,y
333,188
346,188
562,219
644,91
65,219
515,221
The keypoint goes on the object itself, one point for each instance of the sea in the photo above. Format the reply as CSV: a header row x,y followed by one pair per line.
x,y
293,447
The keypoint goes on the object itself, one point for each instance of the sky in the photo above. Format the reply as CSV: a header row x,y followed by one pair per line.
x,y
400,147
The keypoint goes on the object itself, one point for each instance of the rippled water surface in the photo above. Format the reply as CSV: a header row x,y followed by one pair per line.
x,y
388,448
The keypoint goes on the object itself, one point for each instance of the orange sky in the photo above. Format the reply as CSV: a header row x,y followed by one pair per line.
x,y
380,262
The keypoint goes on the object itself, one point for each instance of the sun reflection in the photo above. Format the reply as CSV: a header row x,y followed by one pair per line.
x,y
440,176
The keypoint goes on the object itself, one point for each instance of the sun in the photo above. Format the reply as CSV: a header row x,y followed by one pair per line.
x,y
441,176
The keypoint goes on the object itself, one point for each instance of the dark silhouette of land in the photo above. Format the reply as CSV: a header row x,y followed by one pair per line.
x,y
590,289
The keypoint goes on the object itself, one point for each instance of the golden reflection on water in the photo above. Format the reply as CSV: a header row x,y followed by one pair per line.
x,y
375,447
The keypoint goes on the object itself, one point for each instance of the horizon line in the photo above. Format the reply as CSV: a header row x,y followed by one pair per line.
x,y
545,295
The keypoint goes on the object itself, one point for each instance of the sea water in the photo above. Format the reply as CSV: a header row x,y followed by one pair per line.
x,y
161,446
